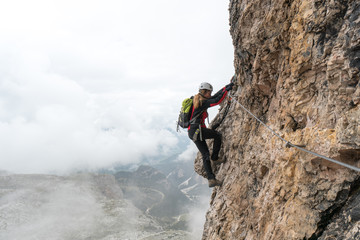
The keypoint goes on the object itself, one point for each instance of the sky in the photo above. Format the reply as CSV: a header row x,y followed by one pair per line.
x,y
89,84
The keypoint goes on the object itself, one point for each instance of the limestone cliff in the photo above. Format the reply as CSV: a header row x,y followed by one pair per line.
x,y
297,65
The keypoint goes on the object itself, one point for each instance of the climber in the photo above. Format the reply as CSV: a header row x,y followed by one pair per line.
x,y
198,132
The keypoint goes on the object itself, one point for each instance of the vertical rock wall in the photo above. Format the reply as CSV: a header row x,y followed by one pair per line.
x,y
298,68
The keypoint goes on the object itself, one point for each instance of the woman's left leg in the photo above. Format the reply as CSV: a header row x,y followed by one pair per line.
x,y
208,133
204,150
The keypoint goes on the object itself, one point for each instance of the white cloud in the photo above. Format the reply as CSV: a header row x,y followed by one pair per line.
x,y
91,83
198,216
189,154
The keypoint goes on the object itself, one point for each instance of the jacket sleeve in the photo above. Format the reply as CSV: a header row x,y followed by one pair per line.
x,y
216,99
220,92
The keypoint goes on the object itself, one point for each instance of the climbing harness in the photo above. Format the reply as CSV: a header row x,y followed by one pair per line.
x,y
289,144
197,133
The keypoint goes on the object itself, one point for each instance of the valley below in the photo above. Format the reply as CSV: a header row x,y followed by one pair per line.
x,y
143,204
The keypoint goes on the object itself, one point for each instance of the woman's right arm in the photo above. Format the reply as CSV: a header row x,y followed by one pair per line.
x,y
216,99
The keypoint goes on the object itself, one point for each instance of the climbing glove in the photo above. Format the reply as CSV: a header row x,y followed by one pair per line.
x,y
229,86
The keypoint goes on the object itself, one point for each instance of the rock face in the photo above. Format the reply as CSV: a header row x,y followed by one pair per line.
x,y
297,65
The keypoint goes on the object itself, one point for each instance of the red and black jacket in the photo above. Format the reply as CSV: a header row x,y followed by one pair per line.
x,y
211,102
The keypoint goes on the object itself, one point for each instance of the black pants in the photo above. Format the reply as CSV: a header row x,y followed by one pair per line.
x,y
203,147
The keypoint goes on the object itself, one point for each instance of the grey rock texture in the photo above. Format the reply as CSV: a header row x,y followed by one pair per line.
x,y
297,65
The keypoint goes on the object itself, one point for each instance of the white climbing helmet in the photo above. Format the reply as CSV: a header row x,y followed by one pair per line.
x,y
206,86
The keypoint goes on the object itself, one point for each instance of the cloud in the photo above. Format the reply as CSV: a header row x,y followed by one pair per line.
x,y
63,136
93,83
50,122
72,207
189,154
64,212
198,215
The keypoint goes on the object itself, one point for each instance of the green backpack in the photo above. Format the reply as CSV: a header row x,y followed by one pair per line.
x,y
185,113
184,120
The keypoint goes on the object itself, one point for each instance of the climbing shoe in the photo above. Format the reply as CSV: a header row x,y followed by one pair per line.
x,y
214,182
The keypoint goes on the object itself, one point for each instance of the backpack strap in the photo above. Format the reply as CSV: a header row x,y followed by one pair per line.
x,y
192,120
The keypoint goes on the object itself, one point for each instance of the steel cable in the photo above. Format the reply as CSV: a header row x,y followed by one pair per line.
x,y
289,144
